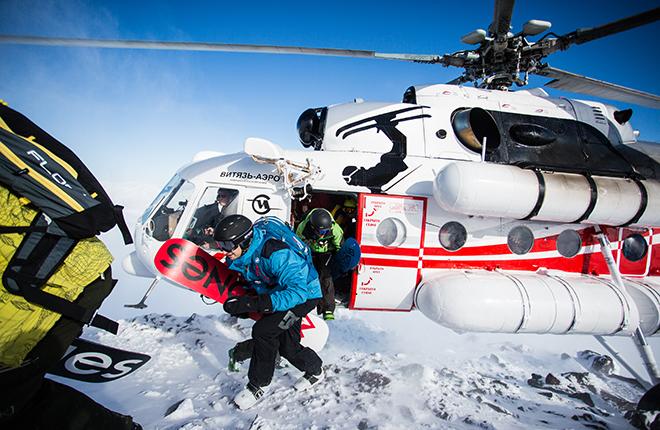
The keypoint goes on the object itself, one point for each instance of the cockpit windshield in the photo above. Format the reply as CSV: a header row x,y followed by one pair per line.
x,y
167,189
170,203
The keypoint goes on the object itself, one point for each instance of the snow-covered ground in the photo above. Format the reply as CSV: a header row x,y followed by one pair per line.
x,y
386,371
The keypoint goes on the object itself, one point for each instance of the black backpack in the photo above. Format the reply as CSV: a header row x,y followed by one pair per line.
x,y
72,205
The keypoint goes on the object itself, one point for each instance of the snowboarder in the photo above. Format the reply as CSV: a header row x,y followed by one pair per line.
x,y
268,255
324,237
346,216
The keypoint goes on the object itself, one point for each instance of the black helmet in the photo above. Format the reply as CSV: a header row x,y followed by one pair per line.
x,y
321,222
308,126
233,231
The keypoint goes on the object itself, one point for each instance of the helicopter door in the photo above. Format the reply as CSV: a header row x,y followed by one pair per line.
x,y
390,232
634,251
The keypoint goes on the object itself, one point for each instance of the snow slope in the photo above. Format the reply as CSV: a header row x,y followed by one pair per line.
x,y
385,371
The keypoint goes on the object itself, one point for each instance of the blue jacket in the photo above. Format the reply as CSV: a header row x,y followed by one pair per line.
x,y
271,267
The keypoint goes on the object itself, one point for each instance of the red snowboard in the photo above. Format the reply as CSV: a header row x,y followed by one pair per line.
x,y
188,265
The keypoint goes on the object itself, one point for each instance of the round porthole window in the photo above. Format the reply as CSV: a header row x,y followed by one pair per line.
x,y
520,240
569,243
635,247
452,236
391,232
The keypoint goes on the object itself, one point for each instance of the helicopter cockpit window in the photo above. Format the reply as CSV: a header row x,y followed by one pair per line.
x,y
167,189
216,203
165,218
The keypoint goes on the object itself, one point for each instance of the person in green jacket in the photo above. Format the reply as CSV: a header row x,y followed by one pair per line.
x,y
324,237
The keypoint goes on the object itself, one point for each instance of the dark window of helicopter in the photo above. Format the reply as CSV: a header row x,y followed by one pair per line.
x,y
452,236
166,217
569,243
635,247
410,96
520,240
175,182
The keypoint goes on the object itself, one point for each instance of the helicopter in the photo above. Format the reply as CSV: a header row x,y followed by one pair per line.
x,y
484,208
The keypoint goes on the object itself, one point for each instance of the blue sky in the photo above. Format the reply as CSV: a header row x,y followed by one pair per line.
x,y
138,115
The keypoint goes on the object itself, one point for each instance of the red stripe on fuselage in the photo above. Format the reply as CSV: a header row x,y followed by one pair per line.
x,y
585,263
408,252
386,262
591,262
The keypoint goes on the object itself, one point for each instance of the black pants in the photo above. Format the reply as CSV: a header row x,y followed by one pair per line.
x,y
29,401
58,406
343,286
322,266
243,350
280,331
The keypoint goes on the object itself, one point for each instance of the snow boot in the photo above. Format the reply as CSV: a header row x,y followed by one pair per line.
x,y
249,396
328,316
308,380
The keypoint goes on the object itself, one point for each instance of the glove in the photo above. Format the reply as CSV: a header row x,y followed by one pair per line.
x,y
245,304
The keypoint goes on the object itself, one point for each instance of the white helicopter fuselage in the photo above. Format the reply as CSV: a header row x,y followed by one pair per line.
x,y
474,243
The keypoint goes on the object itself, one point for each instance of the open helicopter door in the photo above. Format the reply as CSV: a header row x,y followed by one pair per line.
x,y
390,232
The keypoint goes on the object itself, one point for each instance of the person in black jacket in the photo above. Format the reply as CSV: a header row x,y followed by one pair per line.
x,y
208,216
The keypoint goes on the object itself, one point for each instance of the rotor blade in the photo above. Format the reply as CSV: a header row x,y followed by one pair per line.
x,y
210,46
572,82
502,17
588,34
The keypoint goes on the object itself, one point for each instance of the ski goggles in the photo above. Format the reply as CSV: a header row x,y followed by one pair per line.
x,y
227,245
321,232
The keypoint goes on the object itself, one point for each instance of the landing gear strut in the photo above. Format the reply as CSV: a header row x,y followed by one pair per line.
x,y
142,304
638,337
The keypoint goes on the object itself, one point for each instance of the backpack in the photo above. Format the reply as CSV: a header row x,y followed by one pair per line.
x,y
275,228
71,204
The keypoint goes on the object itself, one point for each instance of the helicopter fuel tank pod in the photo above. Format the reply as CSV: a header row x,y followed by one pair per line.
x,y
512,192
500,302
